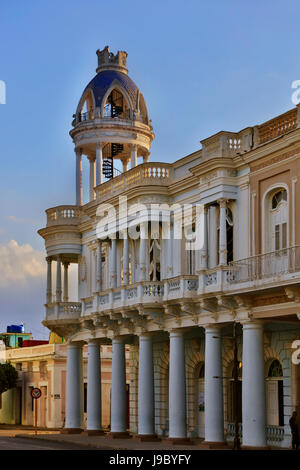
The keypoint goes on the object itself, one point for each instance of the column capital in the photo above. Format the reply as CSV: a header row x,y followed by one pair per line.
x,y
66,263
222,203
49,259
252,324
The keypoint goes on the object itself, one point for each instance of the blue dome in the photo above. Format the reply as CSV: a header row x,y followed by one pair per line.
x,y
103,80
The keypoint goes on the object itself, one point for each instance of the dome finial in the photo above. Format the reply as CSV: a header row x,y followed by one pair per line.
x,y
108,61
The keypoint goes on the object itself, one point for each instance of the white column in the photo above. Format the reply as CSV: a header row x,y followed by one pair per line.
x,y
142,253
99,266
49,280
66,283
126,261
222,233
94,388
203,251
118,387
170,253
99,164
113,263
78,177
92,178
213,386
146,387
133,156
253,391
177,388
58,279
212,256
74,388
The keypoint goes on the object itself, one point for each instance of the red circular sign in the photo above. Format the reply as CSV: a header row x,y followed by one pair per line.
x,y
36,393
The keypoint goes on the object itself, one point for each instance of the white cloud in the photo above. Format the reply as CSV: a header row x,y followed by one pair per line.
x,y
20,263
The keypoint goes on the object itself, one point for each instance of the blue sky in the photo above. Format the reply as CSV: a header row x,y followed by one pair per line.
x,y
203,66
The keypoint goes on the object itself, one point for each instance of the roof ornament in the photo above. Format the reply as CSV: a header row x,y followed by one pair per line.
x,y
110,61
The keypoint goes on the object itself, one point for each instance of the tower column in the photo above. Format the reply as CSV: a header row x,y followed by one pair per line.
x,y
213,386
49,280
74,389
223,233
118,390
253,386
66,283
78,177
92,178
94,410
58,279
99,164
133,156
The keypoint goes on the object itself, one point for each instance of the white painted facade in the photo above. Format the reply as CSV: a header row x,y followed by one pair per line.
x,y
173,306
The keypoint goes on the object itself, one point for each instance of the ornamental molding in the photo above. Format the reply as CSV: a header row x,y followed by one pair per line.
x,y
273,160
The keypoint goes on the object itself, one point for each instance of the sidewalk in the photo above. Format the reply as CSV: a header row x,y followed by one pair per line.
x,y
104,443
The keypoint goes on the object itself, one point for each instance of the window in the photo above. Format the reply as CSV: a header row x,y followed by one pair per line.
x,y
278,197
275,369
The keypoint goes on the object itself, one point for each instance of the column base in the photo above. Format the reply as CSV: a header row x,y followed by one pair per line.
x,y
146,438
118,435
93,432
71,431
213,445
179,441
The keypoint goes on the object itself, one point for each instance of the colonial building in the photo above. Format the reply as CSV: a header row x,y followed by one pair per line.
x,y
44,366
142,282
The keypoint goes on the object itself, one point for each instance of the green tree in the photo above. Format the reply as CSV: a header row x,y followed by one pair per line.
x,y
8,377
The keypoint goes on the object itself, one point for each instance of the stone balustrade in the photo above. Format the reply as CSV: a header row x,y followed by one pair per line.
x,y
278,126
63,215
159,174
274,434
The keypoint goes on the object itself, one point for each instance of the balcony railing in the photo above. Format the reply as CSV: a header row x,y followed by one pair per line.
x,y
278,126
126,115
274,434
146,174
63,215
268,265
63,310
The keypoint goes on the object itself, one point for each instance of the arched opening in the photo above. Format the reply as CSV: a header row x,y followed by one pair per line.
x,y
86,107
235,396
274,392
116,106
199,402
275,220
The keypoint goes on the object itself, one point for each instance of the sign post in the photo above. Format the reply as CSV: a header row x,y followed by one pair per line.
x,y
36,393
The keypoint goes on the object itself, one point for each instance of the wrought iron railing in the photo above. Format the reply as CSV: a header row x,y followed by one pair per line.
x,y
274,434
275,263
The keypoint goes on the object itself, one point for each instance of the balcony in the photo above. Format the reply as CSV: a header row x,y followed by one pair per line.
x,y
266,268
65,311
147,174
63,215
126,115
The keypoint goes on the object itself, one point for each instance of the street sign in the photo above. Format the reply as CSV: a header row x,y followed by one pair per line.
x,y
36,393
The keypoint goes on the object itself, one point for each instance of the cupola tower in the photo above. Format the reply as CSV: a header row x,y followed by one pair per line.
x,y
111,123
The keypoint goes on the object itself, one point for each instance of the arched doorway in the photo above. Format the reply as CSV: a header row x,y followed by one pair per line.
x,y
200,400
235,400
274,392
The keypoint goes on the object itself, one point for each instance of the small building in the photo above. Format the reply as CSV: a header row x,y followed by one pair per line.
x,y
44,366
